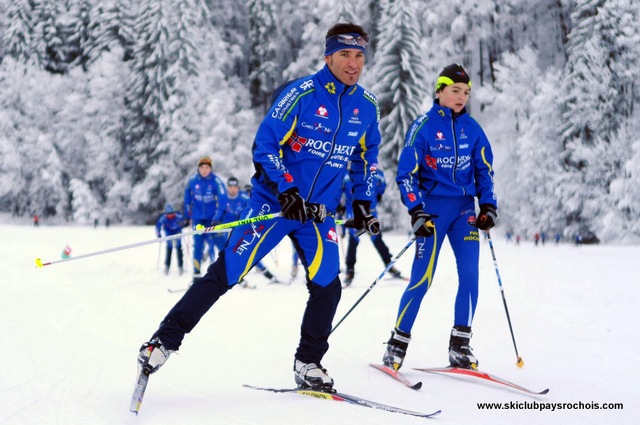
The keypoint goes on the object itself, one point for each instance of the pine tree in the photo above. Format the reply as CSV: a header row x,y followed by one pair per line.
x,y
399,72
599,100
265,68
18,37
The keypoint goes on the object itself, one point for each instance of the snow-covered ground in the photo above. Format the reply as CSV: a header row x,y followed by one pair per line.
x,y
71,332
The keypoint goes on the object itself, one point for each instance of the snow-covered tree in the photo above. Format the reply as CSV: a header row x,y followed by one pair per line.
x,y
599,82
265,67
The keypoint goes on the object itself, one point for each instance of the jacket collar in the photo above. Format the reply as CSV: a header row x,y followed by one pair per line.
x,y
329,82
446,112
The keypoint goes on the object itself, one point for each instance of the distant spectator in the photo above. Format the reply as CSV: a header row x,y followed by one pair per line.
x,y
36,220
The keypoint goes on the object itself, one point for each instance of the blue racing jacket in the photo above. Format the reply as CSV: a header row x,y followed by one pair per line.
x,y
205,198
235,207
314,127
171,226
379,187
445,156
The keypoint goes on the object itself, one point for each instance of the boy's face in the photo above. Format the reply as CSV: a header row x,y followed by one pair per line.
x,y
454,96
346,65
204,170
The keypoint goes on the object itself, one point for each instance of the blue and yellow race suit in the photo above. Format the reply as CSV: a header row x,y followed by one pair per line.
x,y
445,164
315,126
205,199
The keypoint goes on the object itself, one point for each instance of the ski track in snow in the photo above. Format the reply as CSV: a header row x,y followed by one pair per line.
x,y
71,332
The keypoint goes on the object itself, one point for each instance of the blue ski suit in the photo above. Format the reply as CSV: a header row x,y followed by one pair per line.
x,y
171,226
171,223
446,162
205,199
379,187
232,212
314,127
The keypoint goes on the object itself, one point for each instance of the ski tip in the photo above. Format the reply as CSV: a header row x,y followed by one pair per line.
x,y
416,386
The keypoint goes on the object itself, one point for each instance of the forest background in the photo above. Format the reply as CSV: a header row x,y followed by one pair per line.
x,y
105,105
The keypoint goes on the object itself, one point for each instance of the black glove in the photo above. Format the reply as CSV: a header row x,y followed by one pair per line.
x,y
215,222
363,219
487,217
422,223
316,212
292,205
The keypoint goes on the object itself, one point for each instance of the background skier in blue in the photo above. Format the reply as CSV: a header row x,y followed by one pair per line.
x,y
315,126
236,202
445,164
205,199
379,187
171,223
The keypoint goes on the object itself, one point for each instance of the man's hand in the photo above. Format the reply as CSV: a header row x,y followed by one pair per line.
x,y
363,219
316,212
292,205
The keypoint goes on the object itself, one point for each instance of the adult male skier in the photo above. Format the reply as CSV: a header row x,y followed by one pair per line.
x,y
316,125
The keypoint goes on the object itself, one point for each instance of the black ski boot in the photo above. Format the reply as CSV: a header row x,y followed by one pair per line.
x,y
460,354
396,349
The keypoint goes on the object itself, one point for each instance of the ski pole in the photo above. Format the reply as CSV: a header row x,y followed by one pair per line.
x,y
158,260
375,282
519,361
225,227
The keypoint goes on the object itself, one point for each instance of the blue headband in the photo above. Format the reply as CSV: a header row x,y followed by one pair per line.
x,y
345,41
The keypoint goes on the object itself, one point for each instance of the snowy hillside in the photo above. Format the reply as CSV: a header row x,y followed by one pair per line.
x,y
71,333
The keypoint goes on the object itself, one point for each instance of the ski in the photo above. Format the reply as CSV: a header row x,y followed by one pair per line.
x,y
397,376
337,396
176,290
138,391
481,375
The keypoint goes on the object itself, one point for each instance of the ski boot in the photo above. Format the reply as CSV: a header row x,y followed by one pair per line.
x,y
396,349
312,376
395,273
152,356
348,278
460,354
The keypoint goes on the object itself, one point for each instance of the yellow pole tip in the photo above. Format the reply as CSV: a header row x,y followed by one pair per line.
x,y
200,227
520,362
39,263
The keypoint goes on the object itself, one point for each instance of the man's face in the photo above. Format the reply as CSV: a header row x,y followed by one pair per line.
x,y
204,170
346,65
454,96
232,190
